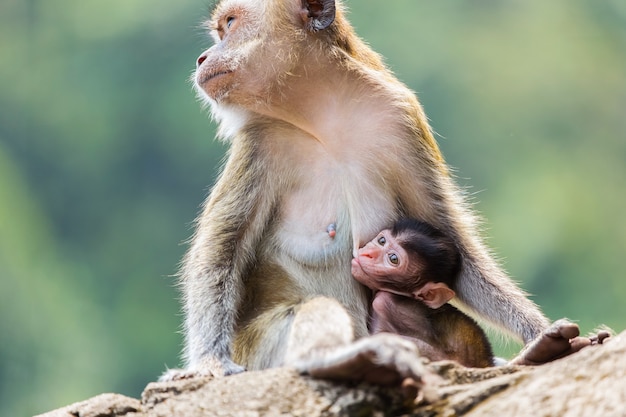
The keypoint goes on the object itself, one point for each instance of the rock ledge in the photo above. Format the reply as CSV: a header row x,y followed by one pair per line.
x,y
589,383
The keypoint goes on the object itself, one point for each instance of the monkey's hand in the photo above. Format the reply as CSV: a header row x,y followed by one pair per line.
x,y
557,341
207,367
384,359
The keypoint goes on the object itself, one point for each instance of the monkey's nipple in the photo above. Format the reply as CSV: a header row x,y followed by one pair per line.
x,y
332,230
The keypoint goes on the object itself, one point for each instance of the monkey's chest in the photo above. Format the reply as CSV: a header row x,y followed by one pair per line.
x,y
327,216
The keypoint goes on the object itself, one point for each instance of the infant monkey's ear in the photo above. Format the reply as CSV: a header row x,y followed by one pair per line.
x,y
434,294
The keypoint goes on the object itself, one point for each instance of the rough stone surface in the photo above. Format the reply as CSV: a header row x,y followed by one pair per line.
x,y
589,383
103,405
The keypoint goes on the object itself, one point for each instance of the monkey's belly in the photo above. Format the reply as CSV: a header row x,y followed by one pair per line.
x,y
315,263
290,271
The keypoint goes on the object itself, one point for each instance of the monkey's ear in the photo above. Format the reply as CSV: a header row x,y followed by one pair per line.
x,y
318,14
434,294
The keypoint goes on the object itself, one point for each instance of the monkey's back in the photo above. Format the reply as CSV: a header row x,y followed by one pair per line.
x,y
461,336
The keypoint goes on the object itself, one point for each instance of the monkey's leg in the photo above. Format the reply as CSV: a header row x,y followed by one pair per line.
x,y
321,345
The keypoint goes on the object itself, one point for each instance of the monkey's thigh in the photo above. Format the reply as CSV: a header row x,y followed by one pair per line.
x,y
321,343
285,334
320,324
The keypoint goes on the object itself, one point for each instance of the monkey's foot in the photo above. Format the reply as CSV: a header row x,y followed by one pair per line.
x,y
208,367
559,340
383,359
177,374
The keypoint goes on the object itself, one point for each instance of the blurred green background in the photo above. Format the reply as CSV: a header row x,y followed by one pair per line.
x,y
105,157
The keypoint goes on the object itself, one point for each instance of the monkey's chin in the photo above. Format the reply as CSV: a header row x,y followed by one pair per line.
x,y
354,265
214,84
357,270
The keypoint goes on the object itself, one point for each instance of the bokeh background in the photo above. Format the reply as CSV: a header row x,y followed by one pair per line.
x,y
105,157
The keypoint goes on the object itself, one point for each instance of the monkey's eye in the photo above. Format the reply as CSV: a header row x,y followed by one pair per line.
x,y
229,21
381,241
393,258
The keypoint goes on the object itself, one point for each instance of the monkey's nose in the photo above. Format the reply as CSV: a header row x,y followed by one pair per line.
x,y
200,60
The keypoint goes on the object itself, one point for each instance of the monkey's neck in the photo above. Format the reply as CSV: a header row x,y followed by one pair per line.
x,y
329,104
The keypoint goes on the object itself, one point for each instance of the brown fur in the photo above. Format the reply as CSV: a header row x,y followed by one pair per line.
x,y
442,333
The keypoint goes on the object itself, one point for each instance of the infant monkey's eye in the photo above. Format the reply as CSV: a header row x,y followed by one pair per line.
x,y
393,258
229,21
381,241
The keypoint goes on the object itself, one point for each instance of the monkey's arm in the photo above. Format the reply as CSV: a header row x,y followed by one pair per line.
x,y
221,251
486,289
482,284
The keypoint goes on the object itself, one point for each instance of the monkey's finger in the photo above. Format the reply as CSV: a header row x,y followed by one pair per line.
x,y
563,328
602,336
410,389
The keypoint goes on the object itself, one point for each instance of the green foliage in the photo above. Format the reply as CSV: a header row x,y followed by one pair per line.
x,y
105,156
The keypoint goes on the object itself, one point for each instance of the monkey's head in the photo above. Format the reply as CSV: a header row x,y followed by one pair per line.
x,y
257,46
383,264
412,259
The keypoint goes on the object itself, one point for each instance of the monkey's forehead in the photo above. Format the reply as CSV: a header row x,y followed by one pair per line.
x,y
221,9
225,6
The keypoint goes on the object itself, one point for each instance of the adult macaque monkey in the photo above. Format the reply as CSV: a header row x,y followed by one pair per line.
x,y
320,133
412,268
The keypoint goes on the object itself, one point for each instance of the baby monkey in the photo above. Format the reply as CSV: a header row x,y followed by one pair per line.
x,y
412,269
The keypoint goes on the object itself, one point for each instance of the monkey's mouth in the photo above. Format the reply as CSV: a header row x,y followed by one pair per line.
x,y
205,78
